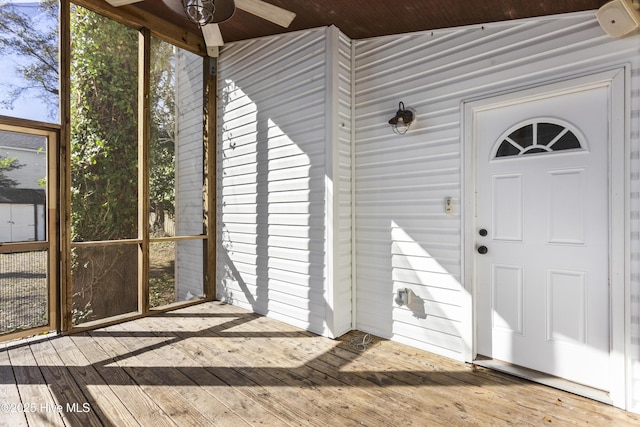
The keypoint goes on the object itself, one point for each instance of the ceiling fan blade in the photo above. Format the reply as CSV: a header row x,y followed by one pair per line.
x,y
117,3
224,10
212,38
267,11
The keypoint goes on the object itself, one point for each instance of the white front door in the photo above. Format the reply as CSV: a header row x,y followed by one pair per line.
x,y
542,233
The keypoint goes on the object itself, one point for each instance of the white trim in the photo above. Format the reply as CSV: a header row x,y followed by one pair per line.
x,y
630,393
331,177
618,235
467,215
354,259
486,25
616,79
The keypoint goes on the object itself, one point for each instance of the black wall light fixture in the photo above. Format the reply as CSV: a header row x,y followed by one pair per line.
x,y
402,120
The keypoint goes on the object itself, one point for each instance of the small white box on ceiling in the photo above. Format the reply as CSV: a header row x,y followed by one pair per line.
x,y
619,17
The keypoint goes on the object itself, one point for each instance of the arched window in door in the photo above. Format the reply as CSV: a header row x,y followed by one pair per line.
x,y
537,137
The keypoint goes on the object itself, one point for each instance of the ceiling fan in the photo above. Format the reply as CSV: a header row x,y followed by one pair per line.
x,y
209,13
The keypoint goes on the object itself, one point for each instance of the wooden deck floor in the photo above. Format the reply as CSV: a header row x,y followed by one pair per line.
x,y
215,364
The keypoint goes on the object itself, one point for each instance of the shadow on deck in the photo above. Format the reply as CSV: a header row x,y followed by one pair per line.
x,y
215,364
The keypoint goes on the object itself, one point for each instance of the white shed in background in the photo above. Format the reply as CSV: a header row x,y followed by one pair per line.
x,y
325,213
23,206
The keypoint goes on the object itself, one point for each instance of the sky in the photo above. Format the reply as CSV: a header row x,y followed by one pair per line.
x,y
29,106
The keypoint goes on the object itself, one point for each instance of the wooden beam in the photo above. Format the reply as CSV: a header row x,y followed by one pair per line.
x,y
64,144
210,138
53,226
32,127
93,244
9,248
177,238
144,166
131,15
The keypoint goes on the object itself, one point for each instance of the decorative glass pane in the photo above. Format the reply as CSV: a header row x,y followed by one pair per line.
x,y
507,149
537,138
547,132
523,136
568,141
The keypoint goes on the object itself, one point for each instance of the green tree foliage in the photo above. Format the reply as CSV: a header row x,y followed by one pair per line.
x,y
104,75
8,164
104,143
104,164
104,146
162,173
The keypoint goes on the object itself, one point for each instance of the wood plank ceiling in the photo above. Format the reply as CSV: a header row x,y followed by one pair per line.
x,y
360,19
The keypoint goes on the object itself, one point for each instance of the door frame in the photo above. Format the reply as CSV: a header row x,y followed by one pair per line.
x,y
616,80
52,133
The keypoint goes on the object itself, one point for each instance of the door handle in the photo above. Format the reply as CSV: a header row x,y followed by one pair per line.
x,y
482,250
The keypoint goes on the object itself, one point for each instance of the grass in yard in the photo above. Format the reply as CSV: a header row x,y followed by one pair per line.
x,y
23,291
162,259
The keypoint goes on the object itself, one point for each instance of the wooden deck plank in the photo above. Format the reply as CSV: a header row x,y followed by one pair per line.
x,y
253,414
10,416
376,385
133,398
399,396
460,379
214,364
443,403
486,406
174,405
301,368
199,397
280,371
253,382
34,392
394,373
502,396
69,397
103,400
251,411
320,365
536,400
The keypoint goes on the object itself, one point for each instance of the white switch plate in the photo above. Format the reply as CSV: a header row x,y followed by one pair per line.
x,y
448,206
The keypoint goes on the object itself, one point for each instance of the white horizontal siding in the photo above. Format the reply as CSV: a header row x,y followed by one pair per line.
x,y
33,169
189,175
404,239
271,177
286,246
